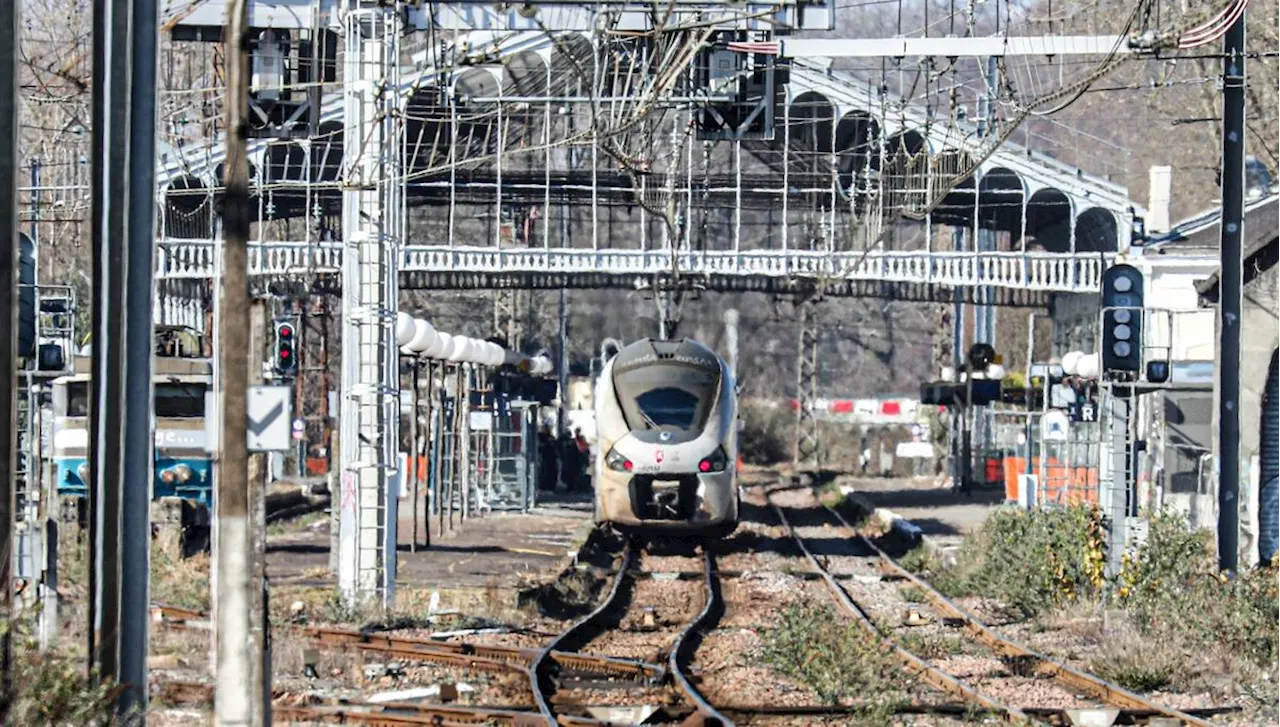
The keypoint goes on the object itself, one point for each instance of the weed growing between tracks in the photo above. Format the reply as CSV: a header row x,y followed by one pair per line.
x,y
838,660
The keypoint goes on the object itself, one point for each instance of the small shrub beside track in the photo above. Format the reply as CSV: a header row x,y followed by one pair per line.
x,y
1169,621
51,686
837,659
1028,561
1173,590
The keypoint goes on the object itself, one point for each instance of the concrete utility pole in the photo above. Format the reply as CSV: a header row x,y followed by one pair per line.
x,y
139,348
1117,505
256,480
1231,287
10,30
233,703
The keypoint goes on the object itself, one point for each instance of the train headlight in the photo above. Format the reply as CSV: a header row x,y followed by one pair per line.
x,y
184,473
168,476
714,463
617,462
83,472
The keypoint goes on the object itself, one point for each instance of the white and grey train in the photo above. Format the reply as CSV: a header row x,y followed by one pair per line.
x,y
666,432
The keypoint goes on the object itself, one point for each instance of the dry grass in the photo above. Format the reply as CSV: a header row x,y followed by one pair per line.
x,y
180,581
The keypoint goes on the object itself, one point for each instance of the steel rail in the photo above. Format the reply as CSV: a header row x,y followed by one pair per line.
x,y
427,650
540,669
685,643
911,663
385,713
178,692
396,715
1094,686
480,656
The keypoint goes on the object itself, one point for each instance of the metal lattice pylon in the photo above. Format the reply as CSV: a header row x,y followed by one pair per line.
x,y
372,225
805,453
314,382
508,315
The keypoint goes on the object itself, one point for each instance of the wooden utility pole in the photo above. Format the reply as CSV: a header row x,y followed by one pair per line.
x,y
10,29
233,703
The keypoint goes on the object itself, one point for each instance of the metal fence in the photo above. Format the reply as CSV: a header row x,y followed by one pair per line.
x,y
471,443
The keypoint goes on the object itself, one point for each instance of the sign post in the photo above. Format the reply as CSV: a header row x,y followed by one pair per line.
x,y
270,418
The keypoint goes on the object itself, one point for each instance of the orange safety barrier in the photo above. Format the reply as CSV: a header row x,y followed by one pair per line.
x,y
317,466
1068,485
993,473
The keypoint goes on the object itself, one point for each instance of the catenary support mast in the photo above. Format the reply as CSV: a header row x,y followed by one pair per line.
x,y
372,232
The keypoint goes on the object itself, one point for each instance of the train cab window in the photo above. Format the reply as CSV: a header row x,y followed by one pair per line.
x,y
180,400
78,399
669,406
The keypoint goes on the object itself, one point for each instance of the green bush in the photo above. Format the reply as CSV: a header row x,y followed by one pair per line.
x,y
1030,560
1172,587
50,687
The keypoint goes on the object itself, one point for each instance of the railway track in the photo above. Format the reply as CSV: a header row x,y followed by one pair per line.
x,y
650,621
1030,665
609,613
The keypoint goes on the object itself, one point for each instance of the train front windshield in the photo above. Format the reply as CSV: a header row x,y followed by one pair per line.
x,y
173,400
180,400
78,399
665,395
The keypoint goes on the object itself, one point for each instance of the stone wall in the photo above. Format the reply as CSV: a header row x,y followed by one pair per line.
x,y
1260,338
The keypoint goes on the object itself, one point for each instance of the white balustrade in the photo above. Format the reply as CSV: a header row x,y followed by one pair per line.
x,y
1080,272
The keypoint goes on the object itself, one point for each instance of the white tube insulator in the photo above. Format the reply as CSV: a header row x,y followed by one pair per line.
x,y
1071,362
461,350
444,346
424,335
496,354
434,348
405,329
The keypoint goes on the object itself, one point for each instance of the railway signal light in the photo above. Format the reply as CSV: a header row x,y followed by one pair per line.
x,y
286,359
1122,319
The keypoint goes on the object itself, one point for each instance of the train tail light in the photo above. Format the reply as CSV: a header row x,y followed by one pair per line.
x,y
617,462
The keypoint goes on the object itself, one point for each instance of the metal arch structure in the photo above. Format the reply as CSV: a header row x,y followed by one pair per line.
x,y
1068,224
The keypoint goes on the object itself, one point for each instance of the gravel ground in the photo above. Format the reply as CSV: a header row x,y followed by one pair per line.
x,y
729,664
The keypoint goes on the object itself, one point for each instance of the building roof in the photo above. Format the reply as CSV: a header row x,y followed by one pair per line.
x,y
1203,232
1261,243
